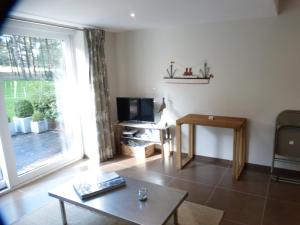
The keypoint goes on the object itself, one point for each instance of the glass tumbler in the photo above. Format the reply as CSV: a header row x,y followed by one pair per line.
x,y
142,194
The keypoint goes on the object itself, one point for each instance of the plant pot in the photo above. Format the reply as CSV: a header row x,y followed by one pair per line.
x,y
22,124
12,130
39,126
52,125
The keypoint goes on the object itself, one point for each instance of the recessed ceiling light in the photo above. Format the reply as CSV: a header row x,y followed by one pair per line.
x,y
132,15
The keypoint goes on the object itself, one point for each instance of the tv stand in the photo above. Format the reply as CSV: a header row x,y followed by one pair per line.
x,y
161,134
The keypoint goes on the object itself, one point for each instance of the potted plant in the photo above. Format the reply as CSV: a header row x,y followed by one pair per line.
x,y
46,104
11,127
41,103
38,123
51,114
23,113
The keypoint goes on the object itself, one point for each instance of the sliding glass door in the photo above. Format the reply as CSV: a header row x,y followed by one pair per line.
x,y
41,127
3,184
38,135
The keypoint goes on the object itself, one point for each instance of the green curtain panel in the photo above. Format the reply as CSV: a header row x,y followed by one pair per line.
x,y
99,83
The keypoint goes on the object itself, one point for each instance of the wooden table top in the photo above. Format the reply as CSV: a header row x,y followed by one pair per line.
x,y
217,121
123,203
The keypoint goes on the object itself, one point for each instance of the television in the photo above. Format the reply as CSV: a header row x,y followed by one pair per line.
x,y
146,109
135,109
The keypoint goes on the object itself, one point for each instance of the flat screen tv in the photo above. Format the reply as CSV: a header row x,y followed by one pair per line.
x,y
146,109
135,109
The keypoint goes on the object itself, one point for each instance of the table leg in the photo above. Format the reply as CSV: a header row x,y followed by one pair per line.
x,y
63,212
244,144
191,140
238,153
243,148
175,217
235,155
170,147
162,144
178,146
171,150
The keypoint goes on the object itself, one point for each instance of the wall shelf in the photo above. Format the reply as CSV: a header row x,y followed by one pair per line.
x,y
183,80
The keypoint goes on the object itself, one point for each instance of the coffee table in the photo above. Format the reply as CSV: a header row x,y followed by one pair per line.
x,y
123,204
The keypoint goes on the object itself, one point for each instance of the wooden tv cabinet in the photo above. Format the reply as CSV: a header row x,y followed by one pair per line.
x,y
160,139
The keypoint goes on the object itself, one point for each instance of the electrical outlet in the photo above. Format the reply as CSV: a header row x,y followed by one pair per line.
x,y
291,142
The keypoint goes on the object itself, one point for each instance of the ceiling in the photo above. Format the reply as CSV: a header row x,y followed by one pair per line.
x,y
115,14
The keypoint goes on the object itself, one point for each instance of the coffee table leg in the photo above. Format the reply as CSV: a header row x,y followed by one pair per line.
x,y
175,217
63,212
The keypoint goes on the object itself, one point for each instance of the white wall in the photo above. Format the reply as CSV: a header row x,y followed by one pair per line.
x,y
256,64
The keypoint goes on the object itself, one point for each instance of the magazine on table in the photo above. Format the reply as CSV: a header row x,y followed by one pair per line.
x,y
92,185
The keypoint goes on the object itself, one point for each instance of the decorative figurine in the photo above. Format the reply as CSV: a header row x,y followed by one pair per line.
x,y
162,106
172,71
205,71
188,71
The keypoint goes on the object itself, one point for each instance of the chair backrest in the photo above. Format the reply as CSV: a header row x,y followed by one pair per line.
x,y
287,133
288,118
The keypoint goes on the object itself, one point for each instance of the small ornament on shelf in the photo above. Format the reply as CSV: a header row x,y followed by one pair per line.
x,y
188,71
171,72
205,72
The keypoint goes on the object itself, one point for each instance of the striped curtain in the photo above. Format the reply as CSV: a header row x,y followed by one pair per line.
x,y
99,84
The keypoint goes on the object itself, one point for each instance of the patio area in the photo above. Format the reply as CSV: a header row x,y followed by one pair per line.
x,y
32,149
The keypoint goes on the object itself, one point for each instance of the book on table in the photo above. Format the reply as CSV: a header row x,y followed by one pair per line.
x,y
92,185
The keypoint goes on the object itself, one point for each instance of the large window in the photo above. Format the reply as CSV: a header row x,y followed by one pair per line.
x,y
2,180
38,82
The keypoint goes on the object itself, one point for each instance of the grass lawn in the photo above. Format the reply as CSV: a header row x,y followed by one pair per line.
x,y
15,90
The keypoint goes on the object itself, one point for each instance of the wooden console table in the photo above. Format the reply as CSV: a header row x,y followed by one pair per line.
x,y
239,138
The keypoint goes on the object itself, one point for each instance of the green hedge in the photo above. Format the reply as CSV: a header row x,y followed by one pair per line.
x,y
15,90
23,108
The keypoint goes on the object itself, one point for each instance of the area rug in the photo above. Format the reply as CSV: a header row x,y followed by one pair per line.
x,y
189,214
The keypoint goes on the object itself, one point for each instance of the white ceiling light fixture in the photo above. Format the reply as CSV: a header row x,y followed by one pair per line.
x,y
132,15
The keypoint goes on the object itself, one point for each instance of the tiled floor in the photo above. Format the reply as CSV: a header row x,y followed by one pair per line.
x,y
254,200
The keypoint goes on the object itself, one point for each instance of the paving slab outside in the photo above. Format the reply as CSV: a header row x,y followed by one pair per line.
x,y
34,148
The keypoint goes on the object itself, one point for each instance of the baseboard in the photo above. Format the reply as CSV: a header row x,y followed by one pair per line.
x,y
258,168
251,167
221,162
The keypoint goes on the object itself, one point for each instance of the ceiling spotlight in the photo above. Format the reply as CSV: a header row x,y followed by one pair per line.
x,y
132,15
